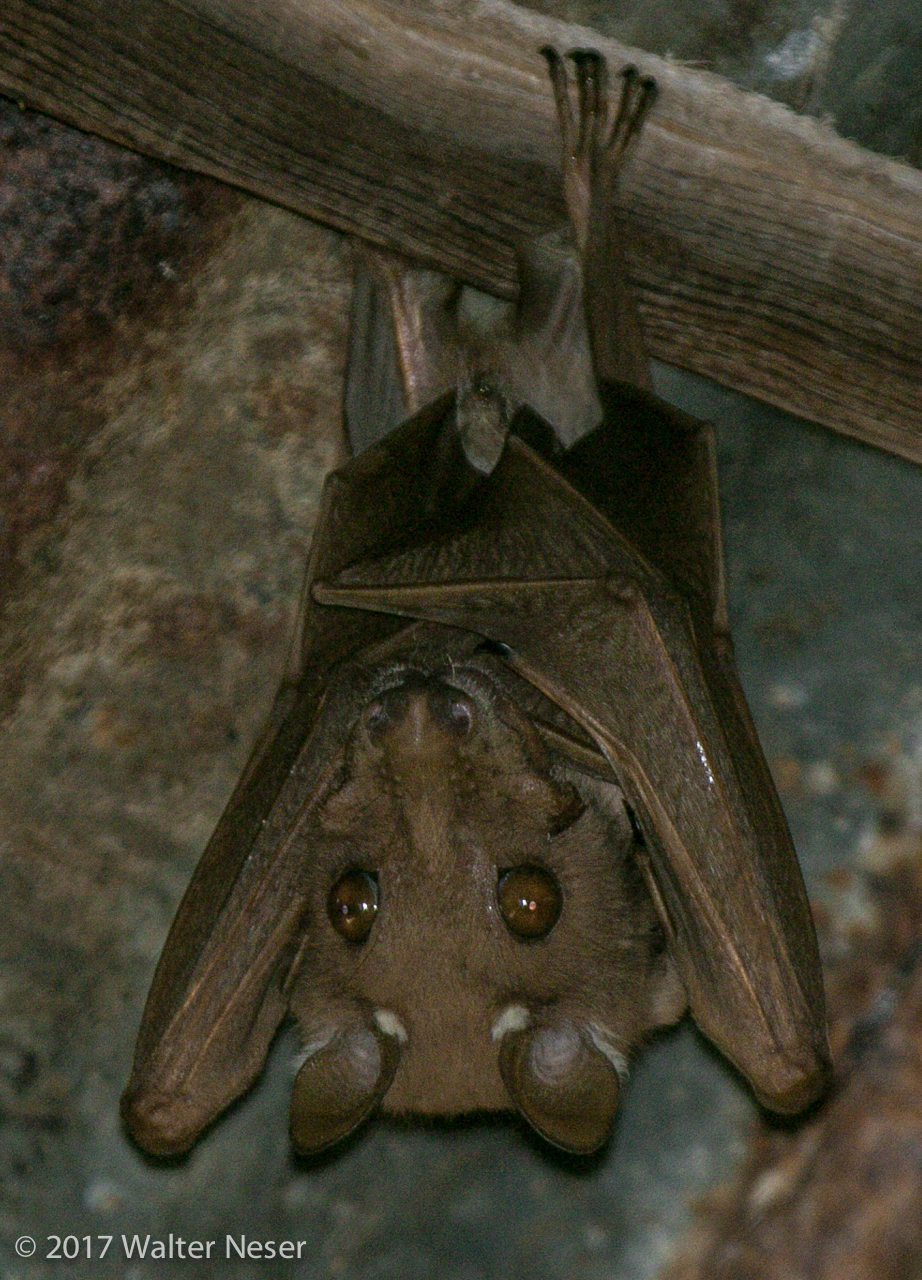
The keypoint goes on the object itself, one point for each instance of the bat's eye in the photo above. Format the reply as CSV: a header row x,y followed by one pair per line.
x,y
529,900
353,905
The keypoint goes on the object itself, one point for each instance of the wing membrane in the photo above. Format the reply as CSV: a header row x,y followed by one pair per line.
x,y
591,622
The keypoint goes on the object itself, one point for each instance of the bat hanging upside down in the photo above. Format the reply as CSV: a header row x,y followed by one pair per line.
x,y
510,813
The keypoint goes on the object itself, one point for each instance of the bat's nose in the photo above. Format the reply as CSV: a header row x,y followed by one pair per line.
x,y
418,707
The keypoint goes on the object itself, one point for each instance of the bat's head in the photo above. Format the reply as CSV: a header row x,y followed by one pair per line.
x,y
479,935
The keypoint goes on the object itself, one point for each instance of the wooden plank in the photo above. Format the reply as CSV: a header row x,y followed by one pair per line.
x,y
770,254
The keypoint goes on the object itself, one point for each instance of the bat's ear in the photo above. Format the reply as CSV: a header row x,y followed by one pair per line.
x,y
340,1084
562,1084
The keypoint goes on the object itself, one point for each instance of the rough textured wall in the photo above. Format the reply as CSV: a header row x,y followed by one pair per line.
x,y
170,358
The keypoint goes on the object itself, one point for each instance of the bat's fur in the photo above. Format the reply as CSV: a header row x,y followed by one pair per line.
x,y
436,808
569,650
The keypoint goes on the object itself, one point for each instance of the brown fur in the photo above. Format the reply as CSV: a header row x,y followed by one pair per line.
x,y
507,637
438,815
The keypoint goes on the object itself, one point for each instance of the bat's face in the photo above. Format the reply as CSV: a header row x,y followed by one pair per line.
x,y
478,932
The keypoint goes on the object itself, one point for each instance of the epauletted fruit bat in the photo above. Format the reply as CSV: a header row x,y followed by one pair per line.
x,y
510,812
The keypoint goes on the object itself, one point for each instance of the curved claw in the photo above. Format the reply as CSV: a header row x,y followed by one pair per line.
x,y
638,94
558,75
595,140
592,91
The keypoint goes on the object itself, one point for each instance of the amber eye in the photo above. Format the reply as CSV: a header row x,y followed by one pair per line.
x,y
529,899
353,905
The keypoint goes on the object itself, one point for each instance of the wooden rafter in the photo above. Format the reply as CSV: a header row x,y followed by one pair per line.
x,y
770,254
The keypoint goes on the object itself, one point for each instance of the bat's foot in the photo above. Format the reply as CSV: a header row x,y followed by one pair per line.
x,y
596,139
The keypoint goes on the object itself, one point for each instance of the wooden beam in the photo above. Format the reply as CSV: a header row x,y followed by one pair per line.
x,y
770,254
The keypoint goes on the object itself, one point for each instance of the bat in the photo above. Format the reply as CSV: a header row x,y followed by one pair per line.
x,y
510,813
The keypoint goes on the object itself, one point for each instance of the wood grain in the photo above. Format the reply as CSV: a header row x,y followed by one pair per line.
x,y
770,254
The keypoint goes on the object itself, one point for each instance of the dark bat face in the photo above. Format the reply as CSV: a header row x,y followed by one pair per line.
x,y
468,894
